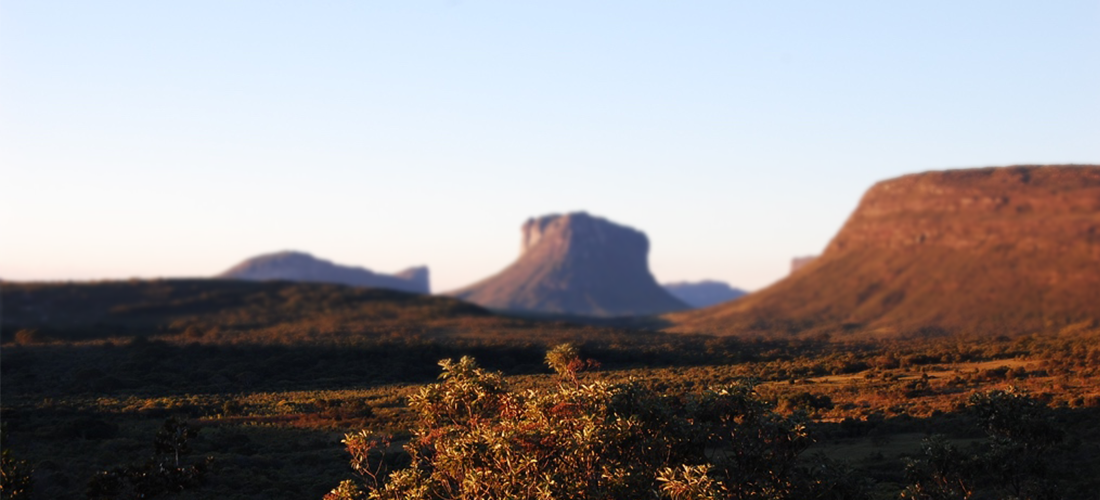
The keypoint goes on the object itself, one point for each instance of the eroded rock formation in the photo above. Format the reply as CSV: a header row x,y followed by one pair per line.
x,y
576,264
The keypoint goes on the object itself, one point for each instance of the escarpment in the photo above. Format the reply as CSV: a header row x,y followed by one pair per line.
x,y
984,251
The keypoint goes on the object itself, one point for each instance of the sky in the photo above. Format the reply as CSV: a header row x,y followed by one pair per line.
x,y
177,138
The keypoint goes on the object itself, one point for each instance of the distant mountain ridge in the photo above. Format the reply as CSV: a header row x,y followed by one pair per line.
x,y
230,311
979,251
576,264
303,267
703,293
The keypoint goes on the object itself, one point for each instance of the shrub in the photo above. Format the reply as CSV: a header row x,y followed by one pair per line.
x,y
30,337
476,439
806,401
163,473
1014,463
15,474
940,472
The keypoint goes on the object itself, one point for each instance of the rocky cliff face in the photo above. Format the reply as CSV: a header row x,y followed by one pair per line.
x,y
576,264
703,293
299,266
987,251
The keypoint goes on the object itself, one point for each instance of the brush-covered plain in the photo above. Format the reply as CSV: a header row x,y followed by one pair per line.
x,y
274,376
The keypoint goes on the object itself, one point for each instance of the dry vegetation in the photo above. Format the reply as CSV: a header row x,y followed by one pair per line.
x,y
88,392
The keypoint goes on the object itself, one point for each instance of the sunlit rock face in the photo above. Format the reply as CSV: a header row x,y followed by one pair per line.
x,y
300,266
984,251
576,264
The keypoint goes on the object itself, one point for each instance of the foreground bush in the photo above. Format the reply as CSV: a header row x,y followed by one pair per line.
x,y
476,439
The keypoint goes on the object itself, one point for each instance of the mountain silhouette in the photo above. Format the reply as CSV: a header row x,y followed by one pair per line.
x,y
703,293
300,266
576,264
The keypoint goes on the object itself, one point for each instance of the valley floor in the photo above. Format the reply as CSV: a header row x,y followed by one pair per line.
x,y
274,443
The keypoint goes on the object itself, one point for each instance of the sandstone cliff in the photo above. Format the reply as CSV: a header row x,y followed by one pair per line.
x,y
987,251
703,293
299,266
576,264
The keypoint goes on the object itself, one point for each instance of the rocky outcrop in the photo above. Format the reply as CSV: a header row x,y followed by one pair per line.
x,y
299,266
576,264
983,251
703,293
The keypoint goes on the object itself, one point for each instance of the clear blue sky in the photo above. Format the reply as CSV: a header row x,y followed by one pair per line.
x,y
176,138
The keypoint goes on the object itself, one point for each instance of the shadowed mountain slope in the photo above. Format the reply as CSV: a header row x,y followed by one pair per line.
x,y
299,266
576,264
703,293
985,251
230,311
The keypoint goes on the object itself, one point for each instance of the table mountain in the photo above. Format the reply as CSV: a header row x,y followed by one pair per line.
x,y
576,264
300,266
982,251
703,293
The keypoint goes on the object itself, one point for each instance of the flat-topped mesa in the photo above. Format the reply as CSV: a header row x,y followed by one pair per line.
x,y
576,264
984,251
973,208
300,266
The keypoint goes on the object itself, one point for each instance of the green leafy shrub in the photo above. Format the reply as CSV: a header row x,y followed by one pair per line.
x,y
476,439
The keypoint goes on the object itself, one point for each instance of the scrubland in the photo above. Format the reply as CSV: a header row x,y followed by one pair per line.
x,y
273,390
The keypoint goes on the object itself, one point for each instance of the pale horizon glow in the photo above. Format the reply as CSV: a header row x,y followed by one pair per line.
x,y
176,139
